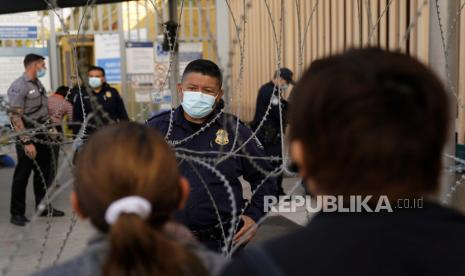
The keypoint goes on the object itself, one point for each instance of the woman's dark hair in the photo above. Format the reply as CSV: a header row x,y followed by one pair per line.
x,y
62,90
130,159
204,67
96,68
371,123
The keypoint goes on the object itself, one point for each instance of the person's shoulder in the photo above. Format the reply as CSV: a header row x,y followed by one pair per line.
x,y
17,85
267,87
232,120
212,261
19,80
87,263
158,117
79,90
83,265
272,257
239,266
255,260
112,90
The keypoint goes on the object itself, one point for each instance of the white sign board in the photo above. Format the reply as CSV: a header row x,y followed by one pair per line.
x,y
107,56
20,19
187,53
12,68
140,58
19,25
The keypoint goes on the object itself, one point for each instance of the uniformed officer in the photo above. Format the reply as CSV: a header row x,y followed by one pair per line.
x,y
270,131
101,99
201,129
28,103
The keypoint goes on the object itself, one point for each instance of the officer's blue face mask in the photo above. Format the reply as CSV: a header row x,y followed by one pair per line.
x,y
41,72
197,104
95,82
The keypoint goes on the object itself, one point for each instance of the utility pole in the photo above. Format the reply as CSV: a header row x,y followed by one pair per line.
x,y
53,48
122,48
444,62
222,43
172,27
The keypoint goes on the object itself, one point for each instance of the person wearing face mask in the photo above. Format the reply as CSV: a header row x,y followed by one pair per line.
x,y
269,131
200,128
99,98
29,110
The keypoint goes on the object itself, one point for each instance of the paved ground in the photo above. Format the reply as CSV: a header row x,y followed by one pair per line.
x,y
36,249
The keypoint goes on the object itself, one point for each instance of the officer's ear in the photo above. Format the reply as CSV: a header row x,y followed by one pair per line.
x,y
220,95
179,88
185,190
75,204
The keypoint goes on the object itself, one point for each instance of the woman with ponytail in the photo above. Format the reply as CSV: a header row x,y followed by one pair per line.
x,y
127,184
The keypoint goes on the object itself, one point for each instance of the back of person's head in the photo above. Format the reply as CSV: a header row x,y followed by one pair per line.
x,y
128,159
62,90
204,67
370,122
31,58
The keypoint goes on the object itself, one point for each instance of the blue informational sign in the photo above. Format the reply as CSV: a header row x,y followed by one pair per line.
x,y
18,32
112,67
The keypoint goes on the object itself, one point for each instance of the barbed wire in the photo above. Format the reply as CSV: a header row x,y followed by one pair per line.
x,y
203,158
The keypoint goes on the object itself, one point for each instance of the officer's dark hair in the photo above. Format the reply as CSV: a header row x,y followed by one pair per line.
x,y
371,122
204,67
93,68
137,162
30,58
62,90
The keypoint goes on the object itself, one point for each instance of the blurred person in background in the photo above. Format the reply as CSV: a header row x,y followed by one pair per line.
x,y
30,119
269,133
60,111
98,98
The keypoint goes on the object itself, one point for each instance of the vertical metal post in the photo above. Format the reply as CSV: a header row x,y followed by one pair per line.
x,y
122,48
444,63
174,74
222,40
53,49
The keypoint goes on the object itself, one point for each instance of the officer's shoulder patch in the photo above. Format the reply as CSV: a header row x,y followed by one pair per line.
x,y
14,91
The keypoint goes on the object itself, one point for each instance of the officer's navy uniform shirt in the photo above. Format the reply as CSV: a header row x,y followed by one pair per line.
x,y
109,101
219,136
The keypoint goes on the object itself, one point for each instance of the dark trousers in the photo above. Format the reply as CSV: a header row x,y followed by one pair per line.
x,y
54,162
21,176
56,155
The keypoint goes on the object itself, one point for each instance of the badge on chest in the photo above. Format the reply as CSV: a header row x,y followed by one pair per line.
x,y
222,137
107,95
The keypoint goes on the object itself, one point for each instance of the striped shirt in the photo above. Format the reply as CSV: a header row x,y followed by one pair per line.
x,y
58,107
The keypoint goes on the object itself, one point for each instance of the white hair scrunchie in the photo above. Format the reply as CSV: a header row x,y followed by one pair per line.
x,y
128,205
